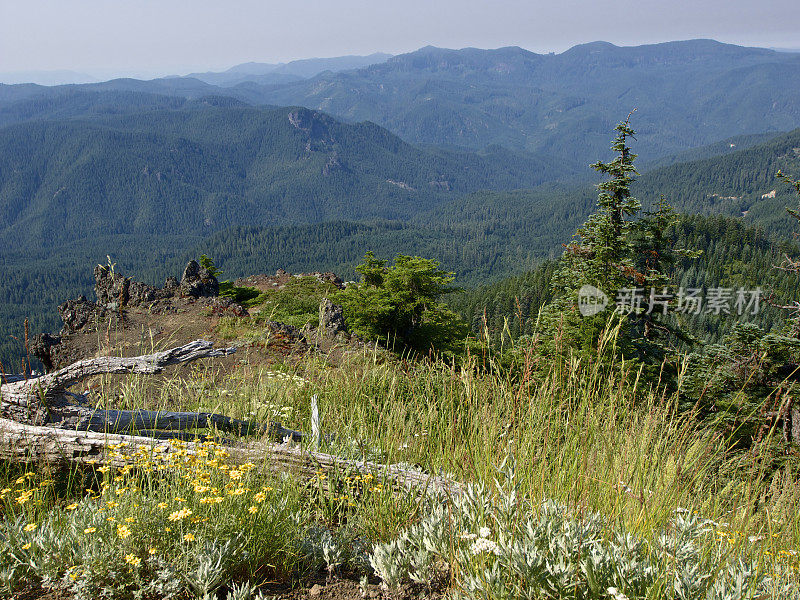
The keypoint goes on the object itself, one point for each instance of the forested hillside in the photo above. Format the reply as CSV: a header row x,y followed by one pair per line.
x,y
482,236
204,168
687,94
733,255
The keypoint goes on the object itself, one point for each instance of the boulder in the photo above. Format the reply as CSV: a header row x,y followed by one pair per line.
x,y
331,318
76,314
40,347
197,282
115,291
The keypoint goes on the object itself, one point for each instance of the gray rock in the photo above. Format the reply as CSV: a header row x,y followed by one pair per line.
x,y
331,318
40,347
197,282
75,314
115,291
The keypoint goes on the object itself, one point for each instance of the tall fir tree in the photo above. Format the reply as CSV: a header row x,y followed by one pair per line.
x,y
623,259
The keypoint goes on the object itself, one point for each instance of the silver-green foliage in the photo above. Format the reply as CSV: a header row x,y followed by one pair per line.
x,y
499,546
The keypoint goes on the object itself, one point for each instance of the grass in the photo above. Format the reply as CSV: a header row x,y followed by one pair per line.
x,y
585,440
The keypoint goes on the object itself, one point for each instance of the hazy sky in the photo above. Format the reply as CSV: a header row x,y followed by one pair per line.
x,y
171,36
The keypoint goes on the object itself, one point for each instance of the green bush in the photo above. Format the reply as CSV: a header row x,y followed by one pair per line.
x,y
401,304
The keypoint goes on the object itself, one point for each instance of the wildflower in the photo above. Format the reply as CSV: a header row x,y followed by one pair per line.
x,y
260,497
189,537
72,506
129,520
237,492
485,532
180,514
90,530
483,545
104,469
22,478
29,527
235,474
133,560
24,497
616,594
152,551
123,531
162,505
252,510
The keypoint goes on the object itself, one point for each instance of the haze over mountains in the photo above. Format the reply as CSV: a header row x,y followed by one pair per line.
x,y
476,157
687,94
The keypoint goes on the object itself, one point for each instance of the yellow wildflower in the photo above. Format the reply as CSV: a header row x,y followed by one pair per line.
x,y
132,559
24,497
252,510
189,537
26,546
123,531
180,514
90,530
29,527
72,506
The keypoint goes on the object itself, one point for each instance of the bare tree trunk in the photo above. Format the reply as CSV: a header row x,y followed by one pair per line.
x,y
46,401
31,443
41,421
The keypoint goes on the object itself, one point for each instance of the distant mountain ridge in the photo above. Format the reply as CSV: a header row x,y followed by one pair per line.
x,y
687,94
271,74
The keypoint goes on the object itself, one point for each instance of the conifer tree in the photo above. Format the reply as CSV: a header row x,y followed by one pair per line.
x,y
601,257
623,258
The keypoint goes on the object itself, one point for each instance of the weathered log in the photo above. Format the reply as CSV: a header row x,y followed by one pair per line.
x,y
31,443
46,399
50,424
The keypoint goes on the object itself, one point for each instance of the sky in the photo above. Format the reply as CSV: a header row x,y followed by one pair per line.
x,y
104,38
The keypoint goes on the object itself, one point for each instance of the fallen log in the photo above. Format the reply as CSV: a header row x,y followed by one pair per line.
x,y
46,400
33,443
40,421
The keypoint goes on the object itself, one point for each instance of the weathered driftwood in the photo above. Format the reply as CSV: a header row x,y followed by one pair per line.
x,y
31,443
41,421
46,400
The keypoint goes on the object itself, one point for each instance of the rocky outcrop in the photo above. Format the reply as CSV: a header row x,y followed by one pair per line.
x,y
76,314
114,291
197,282
331,318
41,346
